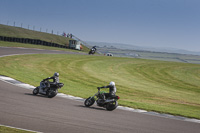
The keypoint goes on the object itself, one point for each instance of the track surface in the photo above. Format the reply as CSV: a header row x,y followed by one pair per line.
x,y
19,108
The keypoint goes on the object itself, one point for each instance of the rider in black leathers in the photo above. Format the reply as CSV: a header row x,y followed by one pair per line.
x,y
55,78
112,90
93,50
94,47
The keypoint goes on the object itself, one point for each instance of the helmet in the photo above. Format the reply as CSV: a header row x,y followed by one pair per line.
x,y
56,74
112,83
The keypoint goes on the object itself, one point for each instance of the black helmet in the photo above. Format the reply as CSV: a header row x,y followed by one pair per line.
x,y
56,74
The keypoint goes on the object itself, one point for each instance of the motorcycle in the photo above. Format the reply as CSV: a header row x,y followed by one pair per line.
x,y
110,103
92,50
50,91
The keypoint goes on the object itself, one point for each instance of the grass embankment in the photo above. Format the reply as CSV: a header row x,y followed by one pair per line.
x,y
166,87
4,129
10,31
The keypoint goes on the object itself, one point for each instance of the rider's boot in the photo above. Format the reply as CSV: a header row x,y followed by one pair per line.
x,y
103,97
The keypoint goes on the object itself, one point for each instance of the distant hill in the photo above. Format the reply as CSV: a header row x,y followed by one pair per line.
x,y
126,50
134,47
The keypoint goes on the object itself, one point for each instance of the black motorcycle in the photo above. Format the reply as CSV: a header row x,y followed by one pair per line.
x,y
110,103
92,50
50,91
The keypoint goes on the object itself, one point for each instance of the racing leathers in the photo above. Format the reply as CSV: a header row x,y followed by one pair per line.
x,y
112,91
48,84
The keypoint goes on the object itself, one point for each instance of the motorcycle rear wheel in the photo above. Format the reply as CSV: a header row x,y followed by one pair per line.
x,y
89,102
111,106
51,93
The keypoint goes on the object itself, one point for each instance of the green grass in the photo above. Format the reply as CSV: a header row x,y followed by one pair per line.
x,y
4,129
166,87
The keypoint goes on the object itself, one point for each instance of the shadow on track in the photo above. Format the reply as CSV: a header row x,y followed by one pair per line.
x,y
30,94
96,108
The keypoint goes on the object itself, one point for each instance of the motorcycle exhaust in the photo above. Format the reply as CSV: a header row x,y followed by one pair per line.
x,y
109,100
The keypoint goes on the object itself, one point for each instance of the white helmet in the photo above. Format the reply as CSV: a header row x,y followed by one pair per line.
x,y
112,83
56,74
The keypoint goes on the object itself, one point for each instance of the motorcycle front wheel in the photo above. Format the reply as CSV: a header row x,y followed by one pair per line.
x,y
35,91
89,102
111,106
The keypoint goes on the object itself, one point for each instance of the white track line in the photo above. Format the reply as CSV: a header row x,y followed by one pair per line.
x,y
15,54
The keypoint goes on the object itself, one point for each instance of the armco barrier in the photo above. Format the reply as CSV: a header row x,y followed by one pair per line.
x,y
32,41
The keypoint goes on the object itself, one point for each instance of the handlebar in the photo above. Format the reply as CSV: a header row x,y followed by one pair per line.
x,y
45,80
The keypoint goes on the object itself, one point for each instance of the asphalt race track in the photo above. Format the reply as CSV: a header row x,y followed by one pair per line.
x,y
19,108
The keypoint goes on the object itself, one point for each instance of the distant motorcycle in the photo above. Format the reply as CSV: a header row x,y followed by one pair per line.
x,y
109,103
50,91
92,50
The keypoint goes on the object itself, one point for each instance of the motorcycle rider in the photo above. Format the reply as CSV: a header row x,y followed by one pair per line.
x,y
112,90
94,47
93,50
55,78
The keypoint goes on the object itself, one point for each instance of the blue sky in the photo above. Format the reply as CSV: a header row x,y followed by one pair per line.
x,y
152,23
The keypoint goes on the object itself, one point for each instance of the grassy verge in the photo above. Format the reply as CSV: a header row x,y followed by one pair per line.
x,y
4,129
166,87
